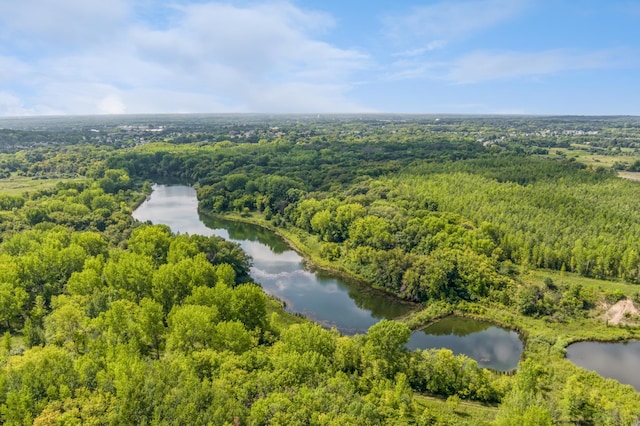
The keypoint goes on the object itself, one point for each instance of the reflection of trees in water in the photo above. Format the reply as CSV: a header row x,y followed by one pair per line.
x,y
246,231
490,345
458,326
380,305
377,302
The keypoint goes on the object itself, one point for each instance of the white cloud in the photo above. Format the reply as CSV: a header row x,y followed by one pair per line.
x,y
257,42
208,57
11,105
449,21
174,101
305,97
433,45
483,66
30,23
111,104
12,69
412,68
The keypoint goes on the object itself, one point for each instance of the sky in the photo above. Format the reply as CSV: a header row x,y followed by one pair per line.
x,y
567,57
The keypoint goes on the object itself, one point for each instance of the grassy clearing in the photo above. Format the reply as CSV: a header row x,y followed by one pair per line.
x,y
582,155
16,185
568,278
459,413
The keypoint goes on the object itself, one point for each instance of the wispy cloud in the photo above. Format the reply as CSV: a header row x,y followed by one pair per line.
x,y
50,24
415,68
480,66
207,57
483,66
432,45
448,21
11,68
12,105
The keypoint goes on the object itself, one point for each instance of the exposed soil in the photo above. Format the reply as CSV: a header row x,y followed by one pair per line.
x,y
616,313
630,175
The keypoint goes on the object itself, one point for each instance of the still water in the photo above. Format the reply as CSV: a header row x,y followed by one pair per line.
x,y
489,345
333,302
617,361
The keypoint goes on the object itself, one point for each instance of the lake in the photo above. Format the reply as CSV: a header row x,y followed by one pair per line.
x,y
349,306
619,361
490,345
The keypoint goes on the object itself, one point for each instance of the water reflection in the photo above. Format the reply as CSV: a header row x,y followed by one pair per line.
x,y
457,326
347,305
171,206
489,345
242,231
333,302
619,361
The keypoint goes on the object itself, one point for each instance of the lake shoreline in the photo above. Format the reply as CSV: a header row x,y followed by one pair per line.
x,y
311,261
315,264
280,266
595,356
541,337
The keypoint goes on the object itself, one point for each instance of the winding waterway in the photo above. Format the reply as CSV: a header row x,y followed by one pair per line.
x,y
333,302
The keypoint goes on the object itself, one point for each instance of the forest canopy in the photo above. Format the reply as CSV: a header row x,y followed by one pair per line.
x,y
111,321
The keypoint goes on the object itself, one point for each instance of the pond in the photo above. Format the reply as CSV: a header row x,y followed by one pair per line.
x,y
490,345
619,361
347,305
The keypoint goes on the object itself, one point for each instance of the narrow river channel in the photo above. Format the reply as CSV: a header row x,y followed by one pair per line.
x,y
348,306
333,302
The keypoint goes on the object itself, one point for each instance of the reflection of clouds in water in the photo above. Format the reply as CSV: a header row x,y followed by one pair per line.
x,y
281,274
222,233
503,350
282,280
263,253
170,206
618,361
325,304
192,230
493,347
298,279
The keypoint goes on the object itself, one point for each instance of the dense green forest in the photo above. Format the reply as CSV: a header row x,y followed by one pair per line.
x,y
110,321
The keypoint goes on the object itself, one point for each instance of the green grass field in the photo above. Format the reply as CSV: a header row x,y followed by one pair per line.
x,y
16,185
582,155
458,413
568,278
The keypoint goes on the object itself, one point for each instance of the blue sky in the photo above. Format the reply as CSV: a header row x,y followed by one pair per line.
x,y
470,56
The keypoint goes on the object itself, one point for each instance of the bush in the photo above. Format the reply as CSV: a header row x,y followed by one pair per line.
x,y
613,296
330,251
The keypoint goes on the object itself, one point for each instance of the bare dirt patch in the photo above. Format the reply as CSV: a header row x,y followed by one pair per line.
x,y
630,175
616,313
